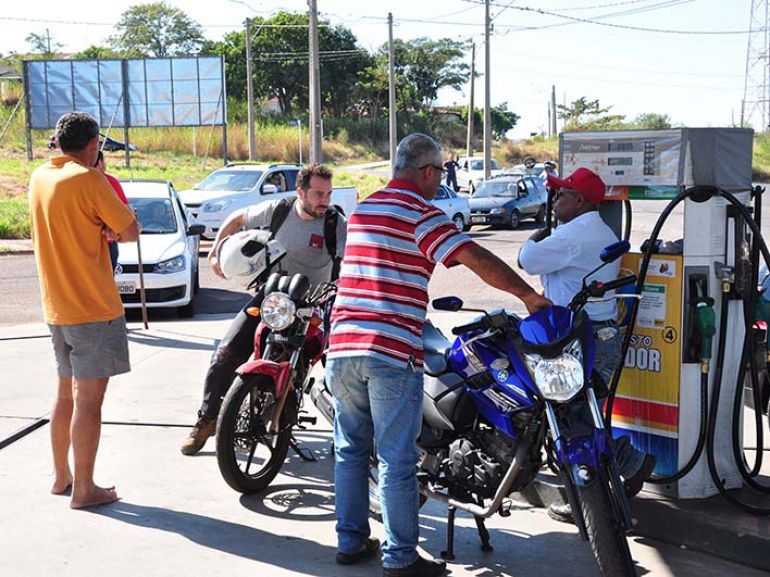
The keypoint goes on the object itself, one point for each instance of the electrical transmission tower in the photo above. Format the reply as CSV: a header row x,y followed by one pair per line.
x,y
755,108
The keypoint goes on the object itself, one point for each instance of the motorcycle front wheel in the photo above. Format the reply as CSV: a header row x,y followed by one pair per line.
x,y
250,456
607,538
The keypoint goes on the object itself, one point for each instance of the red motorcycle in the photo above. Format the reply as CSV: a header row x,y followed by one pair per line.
x,y
264,403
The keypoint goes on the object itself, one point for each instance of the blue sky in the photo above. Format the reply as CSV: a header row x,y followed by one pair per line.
x,y
697,79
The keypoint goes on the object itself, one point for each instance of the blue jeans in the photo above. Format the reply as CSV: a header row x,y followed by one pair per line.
x,y
606,361
376,401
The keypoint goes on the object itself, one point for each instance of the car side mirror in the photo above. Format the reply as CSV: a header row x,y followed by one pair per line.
x,y
269,189
614,251
196,229
451,304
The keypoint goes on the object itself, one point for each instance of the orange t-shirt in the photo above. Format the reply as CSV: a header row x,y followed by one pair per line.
x,y
68,204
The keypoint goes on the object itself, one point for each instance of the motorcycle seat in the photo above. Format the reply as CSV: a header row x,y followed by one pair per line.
x,y
435,346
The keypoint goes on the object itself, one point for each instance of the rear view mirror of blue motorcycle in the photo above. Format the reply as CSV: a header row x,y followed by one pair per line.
x,y
452,304
614,251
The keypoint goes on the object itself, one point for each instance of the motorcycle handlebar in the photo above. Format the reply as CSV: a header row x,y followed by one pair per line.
x,y
617,283
480,324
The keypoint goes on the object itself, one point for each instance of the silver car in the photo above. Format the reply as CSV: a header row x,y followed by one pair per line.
x,y
456,207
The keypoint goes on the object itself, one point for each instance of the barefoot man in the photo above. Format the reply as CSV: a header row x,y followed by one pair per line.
x,y
74,213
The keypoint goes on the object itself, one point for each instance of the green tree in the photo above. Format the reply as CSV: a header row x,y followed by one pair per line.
x,y
95,52
584,114
280,55
502,120
425,66
651,120
158,30
43,43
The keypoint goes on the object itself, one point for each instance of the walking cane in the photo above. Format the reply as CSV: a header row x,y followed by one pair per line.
x,y
141,274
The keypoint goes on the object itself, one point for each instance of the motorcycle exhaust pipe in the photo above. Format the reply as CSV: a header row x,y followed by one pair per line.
x,y
322,400
500,495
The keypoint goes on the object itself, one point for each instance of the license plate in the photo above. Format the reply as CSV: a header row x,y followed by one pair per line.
x,y
126,288
475,218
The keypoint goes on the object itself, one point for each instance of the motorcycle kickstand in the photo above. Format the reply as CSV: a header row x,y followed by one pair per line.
x,y
483,533
449,554
303,453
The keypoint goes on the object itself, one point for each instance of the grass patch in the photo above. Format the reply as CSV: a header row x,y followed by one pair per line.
x,y
14,217
365,183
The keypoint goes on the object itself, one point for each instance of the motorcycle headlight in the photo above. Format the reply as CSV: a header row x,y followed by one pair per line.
x,y
561,378
277,311
169,266
216,205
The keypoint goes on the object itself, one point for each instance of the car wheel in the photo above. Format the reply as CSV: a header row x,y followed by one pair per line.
x,y
197,281
514,220
459,221
540,216
471,188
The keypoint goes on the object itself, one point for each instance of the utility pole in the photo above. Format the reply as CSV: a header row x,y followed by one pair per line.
x,y
250,93
392,118
316,152
554,130
48,36
469,138
487,99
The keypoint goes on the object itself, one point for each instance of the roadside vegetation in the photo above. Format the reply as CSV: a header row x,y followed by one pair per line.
x,y
354,104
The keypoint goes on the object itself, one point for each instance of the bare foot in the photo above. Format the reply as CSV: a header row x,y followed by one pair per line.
x,y
97,496
62,487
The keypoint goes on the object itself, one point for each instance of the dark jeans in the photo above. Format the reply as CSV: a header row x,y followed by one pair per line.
x,y
234,349
451,180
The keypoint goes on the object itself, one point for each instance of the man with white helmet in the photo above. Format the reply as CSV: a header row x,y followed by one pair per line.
x,y
302,241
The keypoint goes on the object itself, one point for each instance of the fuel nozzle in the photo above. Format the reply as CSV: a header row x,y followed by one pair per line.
x,y
706,326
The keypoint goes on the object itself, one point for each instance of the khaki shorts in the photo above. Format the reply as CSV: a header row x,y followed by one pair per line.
x,y
91,350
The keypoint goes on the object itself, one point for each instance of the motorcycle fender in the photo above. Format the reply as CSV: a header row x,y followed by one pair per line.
x,y
279,372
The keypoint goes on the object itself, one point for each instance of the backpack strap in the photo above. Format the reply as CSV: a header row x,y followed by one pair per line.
x,y
280,213
330,239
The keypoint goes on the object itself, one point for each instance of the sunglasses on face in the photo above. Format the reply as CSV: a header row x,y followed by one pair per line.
x,y
439,168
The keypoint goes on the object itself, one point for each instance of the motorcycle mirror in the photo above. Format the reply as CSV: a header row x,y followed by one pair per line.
x,y
614,251
452,304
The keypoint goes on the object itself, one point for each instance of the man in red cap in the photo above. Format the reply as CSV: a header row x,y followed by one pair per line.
x,y
562,258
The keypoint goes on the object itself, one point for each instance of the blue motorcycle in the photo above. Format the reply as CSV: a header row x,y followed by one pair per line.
x,y
511,395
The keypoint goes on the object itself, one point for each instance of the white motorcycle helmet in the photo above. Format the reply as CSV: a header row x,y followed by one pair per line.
x,y
248,255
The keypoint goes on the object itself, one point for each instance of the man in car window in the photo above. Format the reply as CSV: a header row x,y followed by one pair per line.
x,y
562,259
302,235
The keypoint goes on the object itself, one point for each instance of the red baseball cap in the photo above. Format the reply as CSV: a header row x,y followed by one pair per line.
x,y
584,181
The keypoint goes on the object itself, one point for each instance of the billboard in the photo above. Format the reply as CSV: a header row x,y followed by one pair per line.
x,y
188,91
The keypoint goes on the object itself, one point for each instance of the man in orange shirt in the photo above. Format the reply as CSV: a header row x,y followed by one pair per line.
x,y
73,210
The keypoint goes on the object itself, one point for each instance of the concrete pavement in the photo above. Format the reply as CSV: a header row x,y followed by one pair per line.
x,y
177,516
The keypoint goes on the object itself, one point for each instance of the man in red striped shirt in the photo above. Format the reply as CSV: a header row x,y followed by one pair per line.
x,y
375,358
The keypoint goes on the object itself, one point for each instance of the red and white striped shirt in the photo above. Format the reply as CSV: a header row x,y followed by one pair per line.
x,y
395,238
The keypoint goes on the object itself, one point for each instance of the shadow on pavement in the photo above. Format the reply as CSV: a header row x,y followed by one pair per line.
x,y
232,538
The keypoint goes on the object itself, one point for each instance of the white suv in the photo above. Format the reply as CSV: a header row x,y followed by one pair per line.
x,y
237,186
470,173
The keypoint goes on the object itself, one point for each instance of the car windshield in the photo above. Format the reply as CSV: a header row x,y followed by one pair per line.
x,y
496,188
479,164
156,215
230,180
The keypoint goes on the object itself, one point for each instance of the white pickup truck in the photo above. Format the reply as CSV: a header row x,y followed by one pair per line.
x,y
237,186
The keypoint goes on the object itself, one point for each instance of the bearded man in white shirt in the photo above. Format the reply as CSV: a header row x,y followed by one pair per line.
x,y
562,258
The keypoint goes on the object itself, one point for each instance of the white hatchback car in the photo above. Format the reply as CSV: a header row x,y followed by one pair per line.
x,y
456,207
169,245
470,173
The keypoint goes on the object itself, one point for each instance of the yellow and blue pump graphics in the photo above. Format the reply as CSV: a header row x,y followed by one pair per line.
x,y
646,406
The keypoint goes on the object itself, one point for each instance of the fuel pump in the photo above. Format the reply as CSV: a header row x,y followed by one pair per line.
x,y
670,397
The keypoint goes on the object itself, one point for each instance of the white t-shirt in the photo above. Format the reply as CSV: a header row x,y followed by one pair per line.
x,y
565,257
